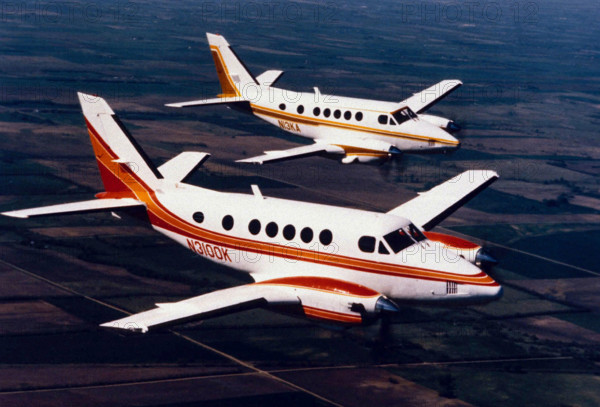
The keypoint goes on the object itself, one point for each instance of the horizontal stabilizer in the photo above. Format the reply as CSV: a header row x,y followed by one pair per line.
x,y
420,102
205,306
268,78
180,167
95,205
292,153
430,208
209,102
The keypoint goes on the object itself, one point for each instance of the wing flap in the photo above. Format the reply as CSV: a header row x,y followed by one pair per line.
x,y
420,102
430,208
94,205
205,306
208,102
293,153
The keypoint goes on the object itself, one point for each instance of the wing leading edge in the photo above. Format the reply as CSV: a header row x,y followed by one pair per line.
x,y
95,205
205,306
293,153
431,207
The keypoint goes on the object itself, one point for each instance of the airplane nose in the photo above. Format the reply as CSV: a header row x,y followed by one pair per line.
x,y
496,292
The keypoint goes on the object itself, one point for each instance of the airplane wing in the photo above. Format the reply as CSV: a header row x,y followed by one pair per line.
x,y
419,102
292,153
430,208
205,306
320,298
95,205
208,102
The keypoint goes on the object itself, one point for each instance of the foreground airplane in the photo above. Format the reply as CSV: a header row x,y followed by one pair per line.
x,y
349,129
326,263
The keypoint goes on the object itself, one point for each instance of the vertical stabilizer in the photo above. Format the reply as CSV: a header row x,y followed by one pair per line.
x,y
233,74
124,167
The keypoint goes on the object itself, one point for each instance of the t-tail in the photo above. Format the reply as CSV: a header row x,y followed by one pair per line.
x,y
125,169
233,74
238,85
128,175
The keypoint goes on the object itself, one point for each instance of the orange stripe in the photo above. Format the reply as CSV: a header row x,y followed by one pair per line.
x,y
325,284
328,315
227,84
162,217
276,114
451,241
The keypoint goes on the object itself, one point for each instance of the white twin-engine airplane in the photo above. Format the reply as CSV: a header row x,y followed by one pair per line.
x,y
349,129
327,263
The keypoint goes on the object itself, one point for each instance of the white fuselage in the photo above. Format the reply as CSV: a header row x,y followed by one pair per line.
x,y
217,226
346,121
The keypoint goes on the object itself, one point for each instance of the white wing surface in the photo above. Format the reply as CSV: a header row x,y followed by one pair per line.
x,y
208,102
419,102
292,153
213,304
94,205
430,208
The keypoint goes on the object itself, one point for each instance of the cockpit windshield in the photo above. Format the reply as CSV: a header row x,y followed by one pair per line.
x,y
402,115
400,239
416,233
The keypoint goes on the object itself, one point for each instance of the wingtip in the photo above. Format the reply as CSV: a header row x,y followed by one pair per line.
x,y
14,214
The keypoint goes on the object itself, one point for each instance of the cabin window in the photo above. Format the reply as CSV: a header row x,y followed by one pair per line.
x,y
337,114
367,244
300,109
347,115
306,235
382,119
272,229
325,237
254,226
198,217
358,116
382,249
398,240
326,112
289,232
282,106
316,111
227,222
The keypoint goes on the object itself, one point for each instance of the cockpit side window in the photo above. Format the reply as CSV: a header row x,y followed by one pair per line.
x,y
403,115
382,249
415,233
398,240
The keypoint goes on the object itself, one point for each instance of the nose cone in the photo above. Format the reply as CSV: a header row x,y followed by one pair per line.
x,y
485,294
442,138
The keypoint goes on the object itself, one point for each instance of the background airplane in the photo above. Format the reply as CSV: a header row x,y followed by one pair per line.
x,y
326,263
349,129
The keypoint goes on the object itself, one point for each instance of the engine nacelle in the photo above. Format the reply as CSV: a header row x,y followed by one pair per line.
x,y
334,301
365,159
455,246
440,122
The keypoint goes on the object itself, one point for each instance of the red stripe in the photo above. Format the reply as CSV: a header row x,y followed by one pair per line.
x,y
159,216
